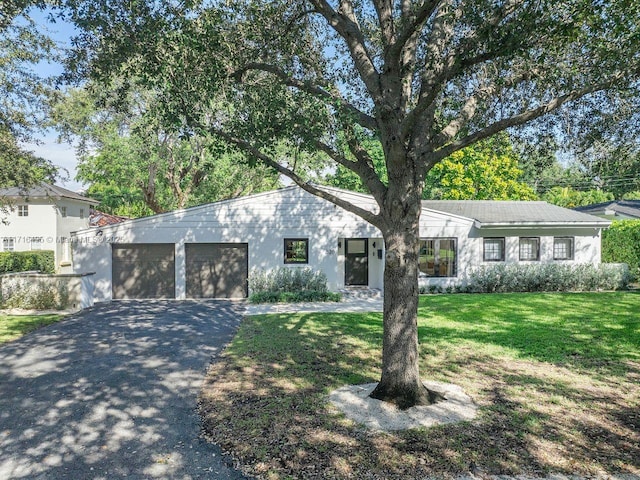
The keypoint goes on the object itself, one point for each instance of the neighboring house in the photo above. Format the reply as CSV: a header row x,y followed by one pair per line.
x,y
42,218
209,250
615,210
102,219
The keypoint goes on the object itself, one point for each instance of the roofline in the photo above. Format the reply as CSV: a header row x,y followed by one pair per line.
x,y
195,208
453,215
523,225
55,193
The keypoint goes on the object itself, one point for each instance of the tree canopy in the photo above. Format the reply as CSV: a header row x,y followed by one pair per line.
x,y
135,166
428,78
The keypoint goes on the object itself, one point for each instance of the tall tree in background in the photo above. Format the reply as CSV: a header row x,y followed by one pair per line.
x,y
136,167
427,78
23,94
488,170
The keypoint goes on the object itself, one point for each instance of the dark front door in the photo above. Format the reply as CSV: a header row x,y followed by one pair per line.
x,y
356,271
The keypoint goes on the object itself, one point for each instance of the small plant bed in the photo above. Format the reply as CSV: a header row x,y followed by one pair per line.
x,y
556,376
294,297
290,285
15,326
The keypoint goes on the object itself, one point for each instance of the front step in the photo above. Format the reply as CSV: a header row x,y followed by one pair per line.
x,y
352,293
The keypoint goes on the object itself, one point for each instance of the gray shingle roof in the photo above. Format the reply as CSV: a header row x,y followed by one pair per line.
x,y
629,208
496,213
44,190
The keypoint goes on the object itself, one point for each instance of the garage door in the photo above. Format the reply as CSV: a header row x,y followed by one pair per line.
x,y
143,271
216,270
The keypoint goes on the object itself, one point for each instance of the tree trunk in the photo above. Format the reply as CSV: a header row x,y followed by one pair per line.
x,y
400,382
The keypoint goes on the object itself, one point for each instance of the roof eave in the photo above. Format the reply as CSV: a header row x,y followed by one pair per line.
x,y
527,225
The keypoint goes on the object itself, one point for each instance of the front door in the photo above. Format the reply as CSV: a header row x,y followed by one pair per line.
x,y
356,271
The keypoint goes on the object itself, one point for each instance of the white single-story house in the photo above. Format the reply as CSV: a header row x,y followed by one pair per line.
x,y
209,250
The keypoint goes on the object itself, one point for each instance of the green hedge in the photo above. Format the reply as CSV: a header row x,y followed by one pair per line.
x,y
547,278
41,260
621,244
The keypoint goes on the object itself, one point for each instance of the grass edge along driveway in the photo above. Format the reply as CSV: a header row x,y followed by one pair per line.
x,y
13,327
557,377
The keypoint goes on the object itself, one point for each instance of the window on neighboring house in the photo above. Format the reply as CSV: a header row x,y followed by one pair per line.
x,y
296,250
63,211
529,248
563,248
82,213
23,210
438,257
493,250
64,242
36,243
8,244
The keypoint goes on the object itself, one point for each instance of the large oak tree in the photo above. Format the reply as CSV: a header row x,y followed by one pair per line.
x,y
425,77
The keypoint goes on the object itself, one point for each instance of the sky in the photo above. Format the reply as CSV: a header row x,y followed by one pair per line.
x,y
60,154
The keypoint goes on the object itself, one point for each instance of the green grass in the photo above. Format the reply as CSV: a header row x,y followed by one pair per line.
x,y
556,376
14,326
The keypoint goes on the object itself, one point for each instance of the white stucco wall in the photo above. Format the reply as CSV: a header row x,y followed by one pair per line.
x,y
45,221
263,221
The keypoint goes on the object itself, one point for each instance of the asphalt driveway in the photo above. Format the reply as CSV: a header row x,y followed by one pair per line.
x,y
111,393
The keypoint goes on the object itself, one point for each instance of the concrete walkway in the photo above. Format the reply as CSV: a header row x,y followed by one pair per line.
x,y
111,393
372,304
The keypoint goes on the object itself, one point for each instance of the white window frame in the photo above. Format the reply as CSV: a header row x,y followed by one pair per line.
x,y
23,210
63,212
37,243
8,244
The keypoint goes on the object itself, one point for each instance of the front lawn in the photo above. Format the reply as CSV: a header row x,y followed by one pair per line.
x,y
557,377
14,326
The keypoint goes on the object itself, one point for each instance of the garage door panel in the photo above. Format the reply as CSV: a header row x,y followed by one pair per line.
x,y
143,271
216,270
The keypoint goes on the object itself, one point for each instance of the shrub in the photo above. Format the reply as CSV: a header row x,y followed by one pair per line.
x,y
31,294
42,261
547,278
621,244
289,285
294,297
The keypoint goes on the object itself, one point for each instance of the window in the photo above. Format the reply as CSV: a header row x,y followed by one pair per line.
x,y
23,210
493,250
438,257
63,211
36,243
563,248
529,248
82,213
64,242
296,250
8,244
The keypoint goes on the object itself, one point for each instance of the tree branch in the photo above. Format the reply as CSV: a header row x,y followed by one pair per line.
x,y
247,147
384,10
413,22
362,118
522,118
346,25
363,167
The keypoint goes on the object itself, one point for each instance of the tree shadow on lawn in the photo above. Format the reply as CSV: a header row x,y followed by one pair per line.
x,y
265,401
